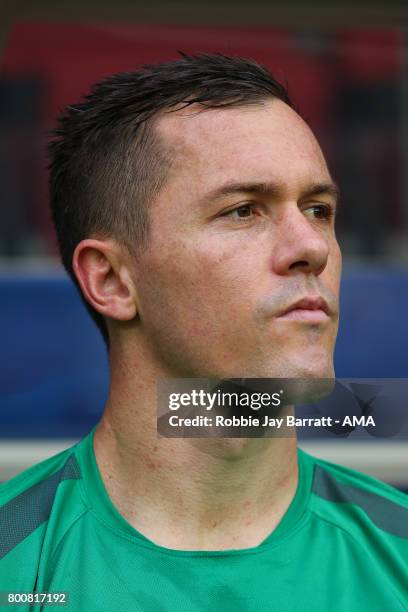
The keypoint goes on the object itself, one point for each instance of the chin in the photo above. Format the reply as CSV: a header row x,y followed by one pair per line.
x,y
313,378
307,364
313,370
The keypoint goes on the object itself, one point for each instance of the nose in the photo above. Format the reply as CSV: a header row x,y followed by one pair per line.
x,y
299,245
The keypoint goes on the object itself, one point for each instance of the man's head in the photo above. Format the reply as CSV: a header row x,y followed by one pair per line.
x,y
193,207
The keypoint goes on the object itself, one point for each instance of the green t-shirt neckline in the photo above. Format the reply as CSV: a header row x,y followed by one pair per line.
x,y
100,504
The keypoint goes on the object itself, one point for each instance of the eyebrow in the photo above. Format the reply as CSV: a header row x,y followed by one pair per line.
x,y
270,189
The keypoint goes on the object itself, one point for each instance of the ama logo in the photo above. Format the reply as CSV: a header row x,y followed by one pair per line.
x,y
355,421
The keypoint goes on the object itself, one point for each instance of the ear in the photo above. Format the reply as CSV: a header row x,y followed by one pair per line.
x,y
104,278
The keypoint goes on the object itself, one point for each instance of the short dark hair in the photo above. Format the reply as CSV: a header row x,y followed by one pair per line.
x,y
107,160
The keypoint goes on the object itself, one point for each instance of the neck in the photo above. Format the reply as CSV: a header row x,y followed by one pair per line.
x,y
190,494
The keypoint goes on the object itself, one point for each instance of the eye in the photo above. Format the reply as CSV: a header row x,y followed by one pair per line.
x,y
240,212
323,212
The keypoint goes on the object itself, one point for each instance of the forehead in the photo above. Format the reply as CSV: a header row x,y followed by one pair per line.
x,y
263,141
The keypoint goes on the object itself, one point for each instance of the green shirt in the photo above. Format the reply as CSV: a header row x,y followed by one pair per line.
x,y
342,545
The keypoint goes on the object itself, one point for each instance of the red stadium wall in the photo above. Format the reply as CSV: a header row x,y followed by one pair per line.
x,y
67,58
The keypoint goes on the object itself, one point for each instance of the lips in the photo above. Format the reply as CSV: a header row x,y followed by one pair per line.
x,y
311,309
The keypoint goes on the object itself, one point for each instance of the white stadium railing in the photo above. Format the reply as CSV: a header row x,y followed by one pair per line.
x,y
385,460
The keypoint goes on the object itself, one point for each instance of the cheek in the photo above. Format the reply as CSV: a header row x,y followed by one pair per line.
x,y
196,312
200,289
333,269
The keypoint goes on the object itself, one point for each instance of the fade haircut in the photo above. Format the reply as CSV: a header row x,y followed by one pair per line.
x,y
107,160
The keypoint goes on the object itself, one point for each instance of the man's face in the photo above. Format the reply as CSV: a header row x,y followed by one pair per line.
x,y
242,231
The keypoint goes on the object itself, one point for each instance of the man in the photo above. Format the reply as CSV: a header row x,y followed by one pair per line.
x,y
195,211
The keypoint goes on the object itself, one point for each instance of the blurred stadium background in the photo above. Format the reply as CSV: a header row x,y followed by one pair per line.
x,y
346,68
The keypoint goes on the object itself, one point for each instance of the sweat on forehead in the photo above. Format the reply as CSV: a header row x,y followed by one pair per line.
x,y
233,140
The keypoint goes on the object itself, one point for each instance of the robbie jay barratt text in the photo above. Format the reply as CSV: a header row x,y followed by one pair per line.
x,y
289,421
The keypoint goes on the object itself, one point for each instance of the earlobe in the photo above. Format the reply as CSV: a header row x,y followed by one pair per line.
x,y
104,280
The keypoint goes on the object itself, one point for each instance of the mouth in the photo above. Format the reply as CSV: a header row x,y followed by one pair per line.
x,y
309,310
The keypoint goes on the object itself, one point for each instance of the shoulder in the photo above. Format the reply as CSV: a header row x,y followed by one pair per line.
x,y
58,467
358,501
34,512
362,526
